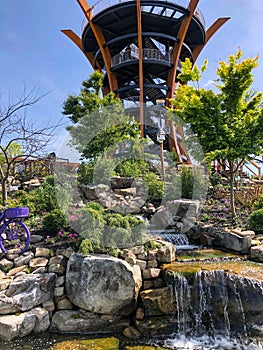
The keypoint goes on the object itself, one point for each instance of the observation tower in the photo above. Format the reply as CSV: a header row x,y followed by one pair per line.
x,y
138,45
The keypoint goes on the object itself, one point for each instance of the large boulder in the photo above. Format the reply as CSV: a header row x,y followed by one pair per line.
x,y
102,284
232,241
80,321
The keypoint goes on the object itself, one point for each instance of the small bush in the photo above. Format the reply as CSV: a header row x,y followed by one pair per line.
x,y
255,220
258,204
54,222
155,186
132,168
86,247
194,183
85,173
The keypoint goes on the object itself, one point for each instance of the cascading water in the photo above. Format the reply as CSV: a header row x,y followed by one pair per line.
x,y
215,305
215,302
180,240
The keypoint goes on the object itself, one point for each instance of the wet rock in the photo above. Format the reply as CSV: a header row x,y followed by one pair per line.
x,y
257,253
156,302
68,321
131,333
102,284
166,254
232,241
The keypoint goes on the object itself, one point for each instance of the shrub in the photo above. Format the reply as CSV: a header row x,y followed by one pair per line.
x,y
155,186
258,204
133,168
194,183
54,222
85,173
86,247
255,220
90,223
215,179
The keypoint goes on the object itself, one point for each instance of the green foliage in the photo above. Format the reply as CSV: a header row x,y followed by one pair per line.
x,y
133,168
99,123
108,230
86,247
89,100
22,198
53,222
215,179
194,184
255,220
85,173
173,186
148,245
155,186
258,204
228,124
190,73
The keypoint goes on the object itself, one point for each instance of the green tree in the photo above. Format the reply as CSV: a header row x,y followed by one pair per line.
x,y
229,123
100,125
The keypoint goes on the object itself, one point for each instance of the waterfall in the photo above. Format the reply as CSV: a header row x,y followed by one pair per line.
x,y
177,239
215,303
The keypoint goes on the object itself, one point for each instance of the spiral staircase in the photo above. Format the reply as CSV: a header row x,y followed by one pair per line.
x,y
139,46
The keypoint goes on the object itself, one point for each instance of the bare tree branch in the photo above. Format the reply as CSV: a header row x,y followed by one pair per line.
x,y
17,130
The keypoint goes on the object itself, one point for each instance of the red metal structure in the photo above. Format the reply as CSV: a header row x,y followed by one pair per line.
x,y
138,45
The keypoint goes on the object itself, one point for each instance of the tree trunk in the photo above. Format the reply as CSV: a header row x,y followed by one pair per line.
x,y
4,192
232,192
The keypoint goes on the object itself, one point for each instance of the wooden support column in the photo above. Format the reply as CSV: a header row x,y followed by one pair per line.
x,y
172,73
178,48
141,80
87,10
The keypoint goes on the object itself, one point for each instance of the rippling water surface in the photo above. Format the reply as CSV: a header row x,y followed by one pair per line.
x,y
46,341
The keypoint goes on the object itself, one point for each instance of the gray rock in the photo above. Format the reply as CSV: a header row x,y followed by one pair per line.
x,y
257,253
184,207
36,238
42,319
13,326
6,264
26,292
67,321
232,241
23,259
102,284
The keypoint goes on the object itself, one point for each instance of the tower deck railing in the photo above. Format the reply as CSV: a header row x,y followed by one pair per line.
x,y
103,4
147,54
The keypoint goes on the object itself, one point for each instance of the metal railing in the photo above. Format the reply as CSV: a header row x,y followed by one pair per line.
x,y
147,54
104,4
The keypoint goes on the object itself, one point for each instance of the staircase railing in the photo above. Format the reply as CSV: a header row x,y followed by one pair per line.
x,y
148,54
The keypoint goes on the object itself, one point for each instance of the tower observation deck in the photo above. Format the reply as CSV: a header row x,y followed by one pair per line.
x,y
138,45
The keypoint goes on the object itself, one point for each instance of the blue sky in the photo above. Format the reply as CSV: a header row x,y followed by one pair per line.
x,y
34,52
